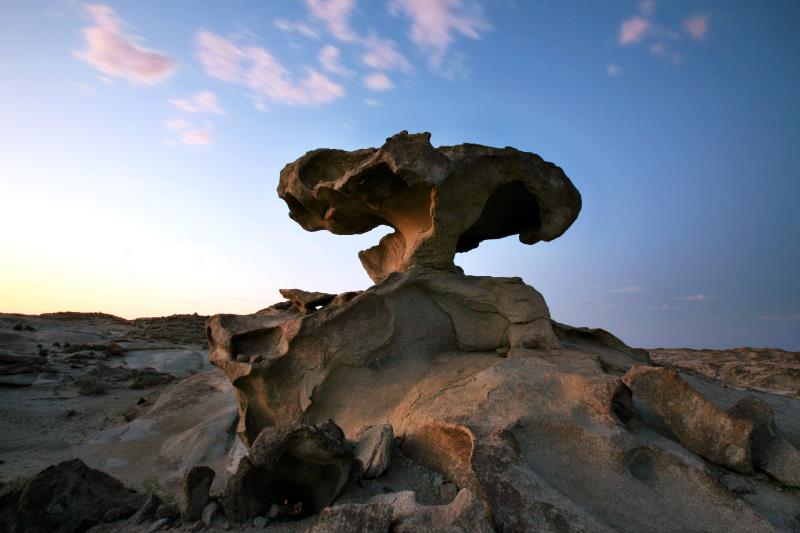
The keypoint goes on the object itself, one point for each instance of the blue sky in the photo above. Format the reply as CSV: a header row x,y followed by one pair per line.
x,y
142,143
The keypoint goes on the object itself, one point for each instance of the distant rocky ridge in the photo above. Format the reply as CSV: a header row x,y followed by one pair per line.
x,y
431,401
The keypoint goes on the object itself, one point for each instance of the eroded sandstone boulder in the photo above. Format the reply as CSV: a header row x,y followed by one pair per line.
x,y
699,424
388,336
534,425
438,200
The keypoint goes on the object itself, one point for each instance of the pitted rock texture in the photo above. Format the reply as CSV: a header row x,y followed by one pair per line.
x,y
439,201
387,336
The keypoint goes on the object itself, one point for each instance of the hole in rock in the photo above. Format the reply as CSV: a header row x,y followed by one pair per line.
x,y
262,342
510,209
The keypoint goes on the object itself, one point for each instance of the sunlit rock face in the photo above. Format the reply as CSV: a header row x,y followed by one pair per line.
x,y
438,200
535,425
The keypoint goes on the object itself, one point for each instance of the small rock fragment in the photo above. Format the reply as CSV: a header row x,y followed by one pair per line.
x,y
374,450
260,522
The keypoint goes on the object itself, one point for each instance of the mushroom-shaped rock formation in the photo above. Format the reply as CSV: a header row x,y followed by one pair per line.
x,y
542,426
438,200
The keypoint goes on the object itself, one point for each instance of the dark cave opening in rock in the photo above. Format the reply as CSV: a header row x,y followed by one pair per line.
x,y
509,210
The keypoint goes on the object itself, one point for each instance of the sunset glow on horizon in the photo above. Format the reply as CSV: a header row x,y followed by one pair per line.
x,y
142,143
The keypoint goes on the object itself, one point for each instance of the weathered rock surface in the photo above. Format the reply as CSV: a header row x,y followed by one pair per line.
x,y
531,425
699,424
763,369
438,200
374,450
387,336
771,452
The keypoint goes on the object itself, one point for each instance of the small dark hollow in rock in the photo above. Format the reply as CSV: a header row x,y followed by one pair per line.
x,y
511,209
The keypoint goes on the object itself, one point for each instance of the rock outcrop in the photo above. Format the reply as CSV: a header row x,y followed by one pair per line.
x,y
439,201
534,425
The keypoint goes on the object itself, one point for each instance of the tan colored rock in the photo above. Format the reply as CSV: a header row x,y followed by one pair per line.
x,y
771,452
699,424
438,200
386,336
305,301
374,450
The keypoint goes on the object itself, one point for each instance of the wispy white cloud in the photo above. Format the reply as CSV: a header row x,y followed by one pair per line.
x,y
662,307
662,40
335,14
296,27
628,290
382,54
175,124
185,132
331,60
198,137
435,23
372,102
662,49
613,70
633,30
697,26
261,72
695,298
378,81
781,317
220,58
116,54
202,102
646,7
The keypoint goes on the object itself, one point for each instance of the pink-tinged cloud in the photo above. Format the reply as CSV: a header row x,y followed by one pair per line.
x,y
115,54
633,30
335,14
202,102
382,54
260,71
694,298
697,26
196,137
268,77
434,23
378,81
296,27
176,124
187,133
220,58
331,60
